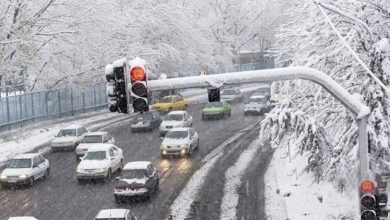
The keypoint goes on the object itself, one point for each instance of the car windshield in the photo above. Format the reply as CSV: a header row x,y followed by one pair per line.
x,y
20,163
177,134
134,174
257,100
174,117
229,92
67,132
92,139
214,104
166,100
95,155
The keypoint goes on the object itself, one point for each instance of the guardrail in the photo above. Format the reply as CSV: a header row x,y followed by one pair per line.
x,y
20,110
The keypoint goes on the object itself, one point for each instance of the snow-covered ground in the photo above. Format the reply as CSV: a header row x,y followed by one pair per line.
x,y
291,193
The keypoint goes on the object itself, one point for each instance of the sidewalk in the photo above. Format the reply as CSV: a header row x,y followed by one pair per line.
x,y
291,193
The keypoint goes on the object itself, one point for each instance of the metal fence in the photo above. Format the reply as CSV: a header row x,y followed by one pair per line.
x,y
20,110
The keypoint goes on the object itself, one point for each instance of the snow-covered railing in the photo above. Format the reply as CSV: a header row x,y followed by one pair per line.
x,y
291,73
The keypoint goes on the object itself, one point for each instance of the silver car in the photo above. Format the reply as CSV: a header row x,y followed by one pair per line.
x,y
231,95
175,119
68,138
180,142
92,138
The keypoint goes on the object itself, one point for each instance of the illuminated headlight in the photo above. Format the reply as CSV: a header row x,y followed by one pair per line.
x,y
164,152
3,177
23,177
142,190
183,151
80,171
183,145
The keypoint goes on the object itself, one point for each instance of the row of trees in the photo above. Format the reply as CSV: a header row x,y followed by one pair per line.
x,y
47,44
324,131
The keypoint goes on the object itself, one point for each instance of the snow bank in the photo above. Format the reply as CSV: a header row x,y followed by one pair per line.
x,y
290,193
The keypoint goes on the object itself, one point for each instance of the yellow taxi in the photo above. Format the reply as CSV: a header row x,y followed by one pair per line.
x,y
170,103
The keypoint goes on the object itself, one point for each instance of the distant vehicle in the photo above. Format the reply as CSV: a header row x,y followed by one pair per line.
x,y
175,119
92,138
25,169
68,138
138,179
22,218
231,95
180,142
170,103
146,121
115,214
216,110
100,162
256,105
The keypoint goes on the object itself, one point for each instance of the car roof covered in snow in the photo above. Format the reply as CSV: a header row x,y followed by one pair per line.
x,y
96,133
176,112
137,165
26,156
100,147
112,213
73,127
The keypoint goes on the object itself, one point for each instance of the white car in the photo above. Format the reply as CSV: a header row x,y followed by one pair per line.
x,y
232,95
175,119
68,138
92,138
100,162
179,141
257,105
117,214
25,169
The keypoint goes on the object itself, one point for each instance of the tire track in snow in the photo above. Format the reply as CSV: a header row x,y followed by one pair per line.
x,y
182,204
233,180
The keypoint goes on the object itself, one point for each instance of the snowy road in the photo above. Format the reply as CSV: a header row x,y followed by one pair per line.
x,y
61,197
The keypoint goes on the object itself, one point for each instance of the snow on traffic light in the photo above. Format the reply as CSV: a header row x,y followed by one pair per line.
x,y
138,79
116,86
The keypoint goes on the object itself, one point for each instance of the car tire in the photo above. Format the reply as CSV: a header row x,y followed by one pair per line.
x,y
120,166
47,172
80,181
31,181
109,175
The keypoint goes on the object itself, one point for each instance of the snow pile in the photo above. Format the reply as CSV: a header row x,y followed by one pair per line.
x,y
290,192
109,69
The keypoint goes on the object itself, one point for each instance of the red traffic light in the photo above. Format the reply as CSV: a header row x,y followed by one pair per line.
x,y
367,186
137,74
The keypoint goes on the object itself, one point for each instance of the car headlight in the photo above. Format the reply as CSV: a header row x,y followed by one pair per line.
x,y
164,147
3,177
164,152
100,170
183,151
23,177
80,170
183,145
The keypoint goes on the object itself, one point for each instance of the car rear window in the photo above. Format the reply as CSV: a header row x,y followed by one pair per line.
x,y
92,139
174,117
67,132
134,174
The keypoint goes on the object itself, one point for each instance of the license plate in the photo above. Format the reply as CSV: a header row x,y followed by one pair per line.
x,y
13,180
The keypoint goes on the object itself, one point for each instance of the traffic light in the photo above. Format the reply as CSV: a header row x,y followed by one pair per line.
x,y
139,91
214,94
368,200
116,88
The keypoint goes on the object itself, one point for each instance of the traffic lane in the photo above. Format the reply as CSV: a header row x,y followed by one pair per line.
x,y
175,172
251,202
208,203
61,197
